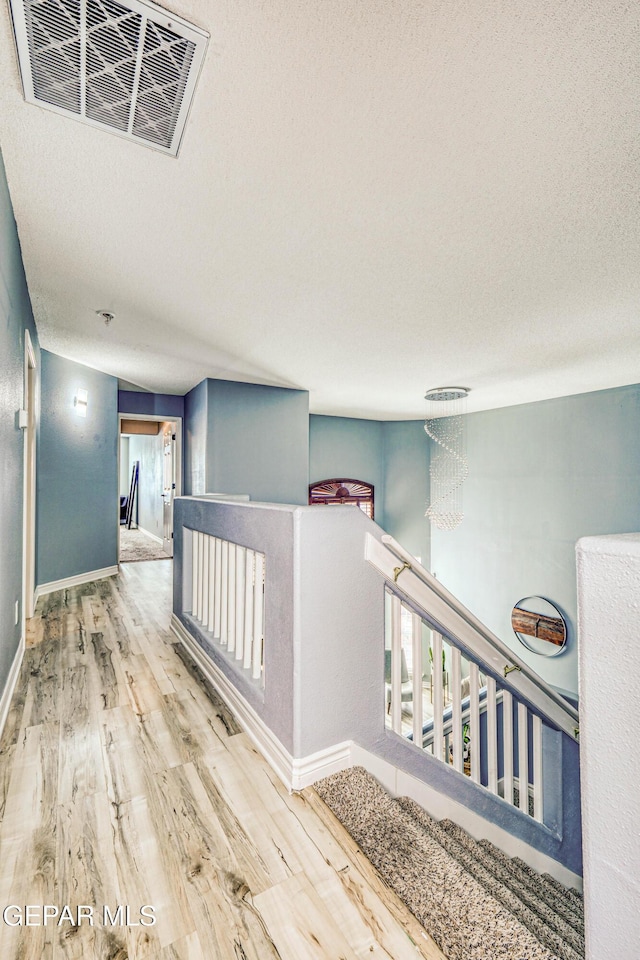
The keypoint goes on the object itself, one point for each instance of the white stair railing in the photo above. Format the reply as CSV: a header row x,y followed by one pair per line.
x,y
228,597
463,731
475,732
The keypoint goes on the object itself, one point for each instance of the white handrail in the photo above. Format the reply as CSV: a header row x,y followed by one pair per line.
x,y
440,606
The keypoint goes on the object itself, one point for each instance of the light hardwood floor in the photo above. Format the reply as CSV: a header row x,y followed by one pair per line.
x,y
125,781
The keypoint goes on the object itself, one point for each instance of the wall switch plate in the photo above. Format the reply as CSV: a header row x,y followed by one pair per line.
x,y
23,419
17,611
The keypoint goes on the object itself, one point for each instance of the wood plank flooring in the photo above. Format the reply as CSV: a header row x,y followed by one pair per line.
x,y
124,780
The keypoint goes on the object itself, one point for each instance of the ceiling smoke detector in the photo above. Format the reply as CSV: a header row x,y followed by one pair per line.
x,y
129,68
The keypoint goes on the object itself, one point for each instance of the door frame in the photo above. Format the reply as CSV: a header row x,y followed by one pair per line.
x,y
178,453
29,484
167,508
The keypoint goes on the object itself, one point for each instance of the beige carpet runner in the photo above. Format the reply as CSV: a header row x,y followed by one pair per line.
x,y
476,903
136,546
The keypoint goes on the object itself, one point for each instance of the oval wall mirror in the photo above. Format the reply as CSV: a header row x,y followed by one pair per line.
x,y
539,626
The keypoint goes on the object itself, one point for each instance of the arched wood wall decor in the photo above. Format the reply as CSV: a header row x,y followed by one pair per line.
x,y
342,490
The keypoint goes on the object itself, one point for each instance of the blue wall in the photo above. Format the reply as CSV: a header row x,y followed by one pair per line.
x,y
541,475
134,403
195,440
16,316
406,485
77,480
392,455
346,447
257,441
137,403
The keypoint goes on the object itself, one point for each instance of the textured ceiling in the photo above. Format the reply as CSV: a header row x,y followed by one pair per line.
x,y
372,197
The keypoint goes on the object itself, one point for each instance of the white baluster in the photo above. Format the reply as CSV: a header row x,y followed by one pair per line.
x,y
201,539
396,664
198,612
217,589
248,608
416,623
231,602
523,758
492,736
258,619
507,741
224,586
438,698
204,603
456,709
474,720
194,573
537,769
241,567
212,581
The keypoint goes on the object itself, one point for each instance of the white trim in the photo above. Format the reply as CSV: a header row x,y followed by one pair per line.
x,y
440,807
295,773
303,772
10,685
422,587
268,745
29,401
315,766
43,588
151,536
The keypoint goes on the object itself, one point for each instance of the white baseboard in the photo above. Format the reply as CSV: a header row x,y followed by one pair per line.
x,y
295,773
315,766
10,685
43,588
151,536
303,772
440,807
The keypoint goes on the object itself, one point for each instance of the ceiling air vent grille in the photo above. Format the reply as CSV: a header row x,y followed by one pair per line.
x,y
130,69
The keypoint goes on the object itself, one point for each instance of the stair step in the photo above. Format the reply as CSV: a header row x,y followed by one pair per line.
x,y
564,900
465,921
550,929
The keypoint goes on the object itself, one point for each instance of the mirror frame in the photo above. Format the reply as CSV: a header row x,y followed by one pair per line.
x,y
555,627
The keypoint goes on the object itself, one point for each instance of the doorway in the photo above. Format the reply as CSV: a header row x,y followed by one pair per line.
x,y
169,485
150,471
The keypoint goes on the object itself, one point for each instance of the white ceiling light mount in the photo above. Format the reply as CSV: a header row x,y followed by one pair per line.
x,y
130,68
445,395
448,467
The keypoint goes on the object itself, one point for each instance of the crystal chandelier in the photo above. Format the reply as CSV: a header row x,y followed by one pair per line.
x,y
449,468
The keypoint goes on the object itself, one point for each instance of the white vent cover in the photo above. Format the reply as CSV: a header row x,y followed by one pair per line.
x,y
127,68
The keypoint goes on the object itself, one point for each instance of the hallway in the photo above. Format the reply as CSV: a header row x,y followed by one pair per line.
x,y
125,781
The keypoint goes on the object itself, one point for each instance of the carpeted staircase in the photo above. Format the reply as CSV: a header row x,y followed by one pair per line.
x,y
476,903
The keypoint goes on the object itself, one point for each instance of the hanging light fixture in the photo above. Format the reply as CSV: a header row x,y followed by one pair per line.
x,y
445,425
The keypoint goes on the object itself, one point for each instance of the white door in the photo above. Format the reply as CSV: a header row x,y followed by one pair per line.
x,y
169,485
